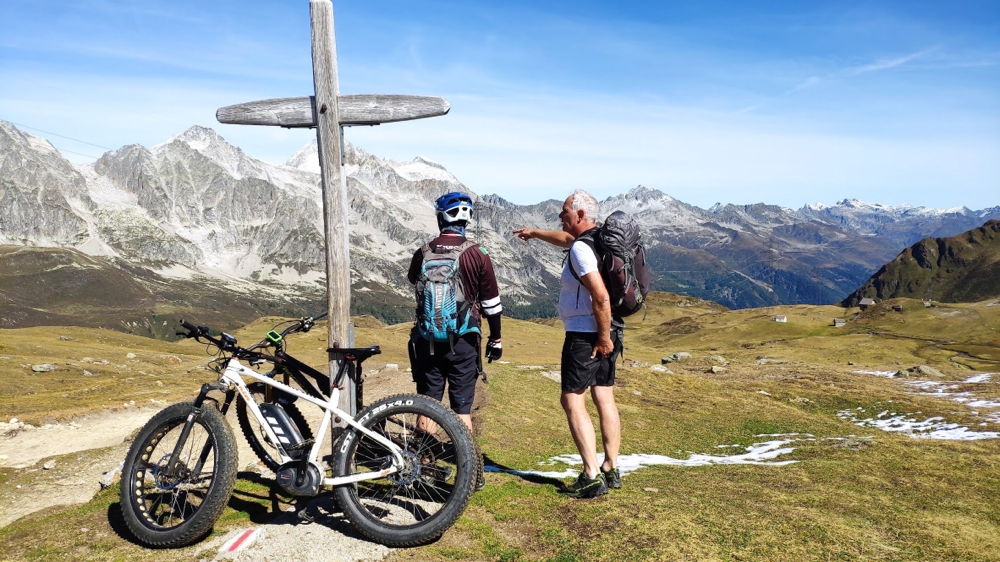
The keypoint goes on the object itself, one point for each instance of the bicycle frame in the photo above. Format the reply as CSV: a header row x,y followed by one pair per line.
x,y
233,375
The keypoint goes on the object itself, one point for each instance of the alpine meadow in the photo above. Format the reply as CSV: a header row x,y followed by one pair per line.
x,y
795,429
516,281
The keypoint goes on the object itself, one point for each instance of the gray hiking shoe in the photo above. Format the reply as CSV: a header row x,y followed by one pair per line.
x,y
613,478
586,487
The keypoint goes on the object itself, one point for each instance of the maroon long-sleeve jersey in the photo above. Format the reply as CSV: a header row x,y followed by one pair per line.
x,y
478,279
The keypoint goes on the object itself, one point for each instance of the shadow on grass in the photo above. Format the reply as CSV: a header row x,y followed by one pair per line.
x,y
489,465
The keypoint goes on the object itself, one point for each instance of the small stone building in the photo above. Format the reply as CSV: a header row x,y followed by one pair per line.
x,y
839,322
780,319
866,302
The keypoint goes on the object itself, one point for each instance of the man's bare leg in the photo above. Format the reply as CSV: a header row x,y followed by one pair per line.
x,y
582,429
611,429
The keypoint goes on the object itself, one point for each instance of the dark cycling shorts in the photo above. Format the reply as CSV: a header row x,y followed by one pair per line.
x,y
579,371
458,368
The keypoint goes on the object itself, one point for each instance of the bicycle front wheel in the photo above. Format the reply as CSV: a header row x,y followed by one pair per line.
x,y
173,504
420,502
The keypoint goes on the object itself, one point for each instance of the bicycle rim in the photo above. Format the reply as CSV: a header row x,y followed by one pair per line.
x,y
429,493
167,496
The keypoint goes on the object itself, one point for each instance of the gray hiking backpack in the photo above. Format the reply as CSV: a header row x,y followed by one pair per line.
x,y
621,260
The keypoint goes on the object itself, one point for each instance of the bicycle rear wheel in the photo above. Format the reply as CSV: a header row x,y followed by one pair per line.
x,y
419,503
170,506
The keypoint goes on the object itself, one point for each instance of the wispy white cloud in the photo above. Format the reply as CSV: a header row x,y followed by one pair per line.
x,y
888,63
709,108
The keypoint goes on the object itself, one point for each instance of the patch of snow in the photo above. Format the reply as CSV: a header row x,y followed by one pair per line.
x,y
758,453
887,374
931,428
982,377
422,169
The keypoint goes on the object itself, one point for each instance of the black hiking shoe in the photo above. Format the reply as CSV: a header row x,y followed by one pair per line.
x,y
613,478
586,487
480,481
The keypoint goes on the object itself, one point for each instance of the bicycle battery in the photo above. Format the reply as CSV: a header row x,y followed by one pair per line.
x,y
283,427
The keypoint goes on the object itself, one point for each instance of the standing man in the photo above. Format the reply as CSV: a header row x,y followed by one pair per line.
x,y
455,286
590,349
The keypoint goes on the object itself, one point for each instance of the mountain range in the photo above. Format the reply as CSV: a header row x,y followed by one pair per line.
x,y
195,221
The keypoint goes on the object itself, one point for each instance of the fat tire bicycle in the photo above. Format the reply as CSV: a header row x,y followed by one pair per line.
x,y
402,472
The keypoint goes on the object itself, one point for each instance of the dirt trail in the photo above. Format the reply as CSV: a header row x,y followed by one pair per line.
x,y
62,464
22,447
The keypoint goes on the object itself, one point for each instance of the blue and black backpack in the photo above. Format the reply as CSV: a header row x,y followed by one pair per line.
x,y
443,312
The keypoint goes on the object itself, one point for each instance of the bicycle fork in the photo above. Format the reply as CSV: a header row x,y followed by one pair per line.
x,y
186,430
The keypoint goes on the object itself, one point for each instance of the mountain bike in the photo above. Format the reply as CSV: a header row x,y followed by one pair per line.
x,y
402,471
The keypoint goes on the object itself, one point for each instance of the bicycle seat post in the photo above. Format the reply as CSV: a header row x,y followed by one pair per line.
x,y
357,356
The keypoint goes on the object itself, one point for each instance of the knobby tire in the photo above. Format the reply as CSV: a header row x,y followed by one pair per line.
x,y
417,505
171,509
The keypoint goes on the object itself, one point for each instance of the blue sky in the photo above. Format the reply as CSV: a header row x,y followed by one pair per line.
x,y
735,101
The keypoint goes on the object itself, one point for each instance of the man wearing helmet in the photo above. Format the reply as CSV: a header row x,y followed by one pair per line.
x,y
454,357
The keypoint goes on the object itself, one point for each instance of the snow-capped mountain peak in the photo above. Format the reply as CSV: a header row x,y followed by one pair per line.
x,y
421,168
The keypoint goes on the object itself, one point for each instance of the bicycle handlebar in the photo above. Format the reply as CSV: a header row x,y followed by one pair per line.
x,y
303,325
227,342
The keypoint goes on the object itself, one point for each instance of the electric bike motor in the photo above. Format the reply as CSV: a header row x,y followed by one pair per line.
x,y
288,479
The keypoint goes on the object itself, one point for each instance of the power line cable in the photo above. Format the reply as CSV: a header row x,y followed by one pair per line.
x,y
61,136
79,153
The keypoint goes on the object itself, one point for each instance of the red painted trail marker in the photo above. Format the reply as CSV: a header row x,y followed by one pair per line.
x,y
240,541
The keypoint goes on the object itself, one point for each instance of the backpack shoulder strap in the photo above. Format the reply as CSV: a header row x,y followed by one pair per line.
x,y
588,239
464,246
426,252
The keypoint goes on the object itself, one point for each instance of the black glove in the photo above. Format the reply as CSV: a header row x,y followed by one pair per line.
x,y
494,350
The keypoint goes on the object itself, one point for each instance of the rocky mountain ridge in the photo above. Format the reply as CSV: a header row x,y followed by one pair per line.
x,y
197,208
961,268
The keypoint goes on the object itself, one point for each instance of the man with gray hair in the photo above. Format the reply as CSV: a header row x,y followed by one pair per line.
x,y
590,349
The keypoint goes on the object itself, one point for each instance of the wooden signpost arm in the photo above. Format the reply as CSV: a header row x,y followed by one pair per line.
x,y
357,109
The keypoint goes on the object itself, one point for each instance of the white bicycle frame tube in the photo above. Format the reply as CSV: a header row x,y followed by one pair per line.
x,y
234,373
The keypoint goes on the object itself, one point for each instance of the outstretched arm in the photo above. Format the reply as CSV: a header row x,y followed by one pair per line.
x,y
554,237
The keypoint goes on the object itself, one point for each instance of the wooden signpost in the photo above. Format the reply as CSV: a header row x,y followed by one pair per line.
x,y
329,112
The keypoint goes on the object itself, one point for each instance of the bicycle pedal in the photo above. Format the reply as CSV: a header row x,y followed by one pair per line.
x,y
305,517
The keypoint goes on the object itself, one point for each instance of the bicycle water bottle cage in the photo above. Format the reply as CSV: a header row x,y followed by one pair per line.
x,y
274,337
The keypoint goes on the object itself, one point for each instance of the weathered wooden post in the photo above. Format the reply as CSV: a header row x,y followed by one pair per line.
x,y
329,112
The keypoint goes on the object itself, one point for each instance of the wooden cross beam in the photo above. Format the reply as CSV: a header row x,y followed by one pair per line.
x,y
329,112
370,109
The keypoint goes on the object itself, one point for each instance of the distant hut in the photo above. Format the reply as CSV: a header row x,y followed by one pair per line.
x,y
780,319
839,322
897,307
866,302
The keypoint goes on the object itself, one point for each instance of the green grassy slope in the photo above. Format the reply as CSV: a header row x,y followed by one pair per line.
x,y
853,493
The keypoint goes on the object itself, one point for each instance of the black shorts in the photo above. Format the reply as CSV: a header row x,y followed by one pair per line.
x,y
459,368
579,371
